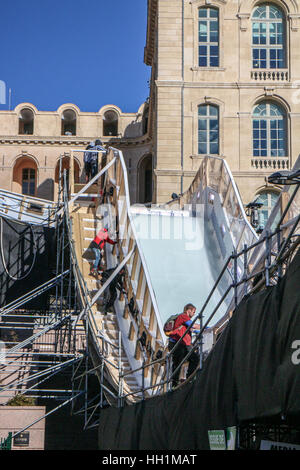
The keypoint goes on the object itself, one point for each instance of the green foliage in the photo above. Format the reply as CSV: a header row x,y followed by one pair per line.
x,y
5,444
21,400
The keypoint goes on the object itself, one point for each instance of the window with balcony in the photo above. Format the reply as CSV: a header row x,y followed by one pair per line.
x,y
268,38
208,129
269,127
208,37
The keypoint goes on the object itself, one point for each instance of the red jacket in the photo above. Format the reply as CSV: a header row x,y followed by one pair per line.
x,y
180,328
102,238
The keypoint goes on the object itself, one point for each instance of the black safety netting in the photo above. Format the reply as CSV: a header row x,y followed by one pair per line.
x,y
26,261
253,372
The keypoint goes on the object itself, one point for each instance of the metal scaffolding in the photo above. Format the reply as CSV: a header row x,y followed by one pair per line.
x,y
275,251
41,344
62,338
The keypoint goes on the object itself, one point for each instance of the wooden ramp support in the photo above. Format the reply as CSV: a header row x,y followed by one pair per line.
x,y
116,336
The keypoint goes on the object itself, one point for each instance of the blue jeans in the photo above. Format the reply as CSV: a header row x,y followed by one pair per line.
x,y
97,253
94,168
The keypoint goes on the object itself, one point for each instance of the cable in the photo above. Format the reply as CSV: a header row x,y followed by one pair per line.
x,y
3,259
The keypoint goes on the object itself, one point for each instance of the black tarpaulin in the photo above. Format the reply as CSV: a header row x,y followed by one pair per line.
x,y
24,260
249,374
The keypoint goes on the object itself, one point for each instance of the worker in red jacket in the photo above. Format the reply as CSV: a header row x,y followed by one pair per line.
x,y
182,322
97,246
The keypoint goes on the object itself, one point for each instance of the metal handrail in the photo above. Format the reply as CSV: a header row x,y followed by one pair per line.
x,y
92,327
235,284
199,315
30,295
80,279
129,213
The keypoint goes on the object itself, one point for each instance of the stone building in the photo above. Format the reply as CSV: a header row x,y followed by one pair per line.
x,y
225,79
32,141
225,82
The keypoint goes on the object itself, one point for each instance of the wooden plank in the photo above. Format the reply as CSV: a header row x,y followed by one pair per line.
x,y
145,302
140,282
132,334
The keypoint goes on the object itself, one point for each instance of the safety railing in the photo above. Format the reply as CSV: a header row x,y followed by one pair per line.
x,y
140,296
37,291
140,317
94,334
284,219
271,271
27,209
137,312
214,175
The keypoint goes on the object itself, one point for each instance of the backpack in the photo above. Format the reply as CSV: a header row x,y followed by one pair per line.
x,y
169,324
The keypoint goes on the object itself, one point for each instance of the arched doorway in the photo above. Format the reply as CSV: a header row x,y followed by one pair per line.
x,y
145,178
25,175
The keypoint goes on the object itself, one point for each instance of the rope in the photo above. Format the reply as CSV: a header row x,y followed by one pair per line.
x,y
3,259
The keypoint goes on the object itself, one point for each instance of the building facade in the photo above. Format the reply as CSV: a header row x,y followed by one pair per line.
x,y
225,82
32,142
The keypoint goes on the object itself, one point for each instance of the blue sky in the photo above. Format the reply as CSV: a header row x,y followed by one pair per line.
x,y
85,52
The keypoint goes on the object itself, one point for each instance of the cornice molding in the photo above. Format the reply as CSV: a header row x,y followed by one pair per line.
x,y
208,2
42,141
188,173
257,84
150,41
19,140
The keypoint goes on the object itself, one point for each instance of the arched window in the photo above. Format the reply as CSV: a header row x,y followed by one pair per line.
x,y
268,199
68,122
26,120
208,129
269,131
25,176
208,41
110,123
28,181
268,37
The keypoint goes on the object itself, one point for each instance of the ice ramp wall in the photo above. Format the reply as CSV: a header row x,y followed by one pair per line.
x,y
181,256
